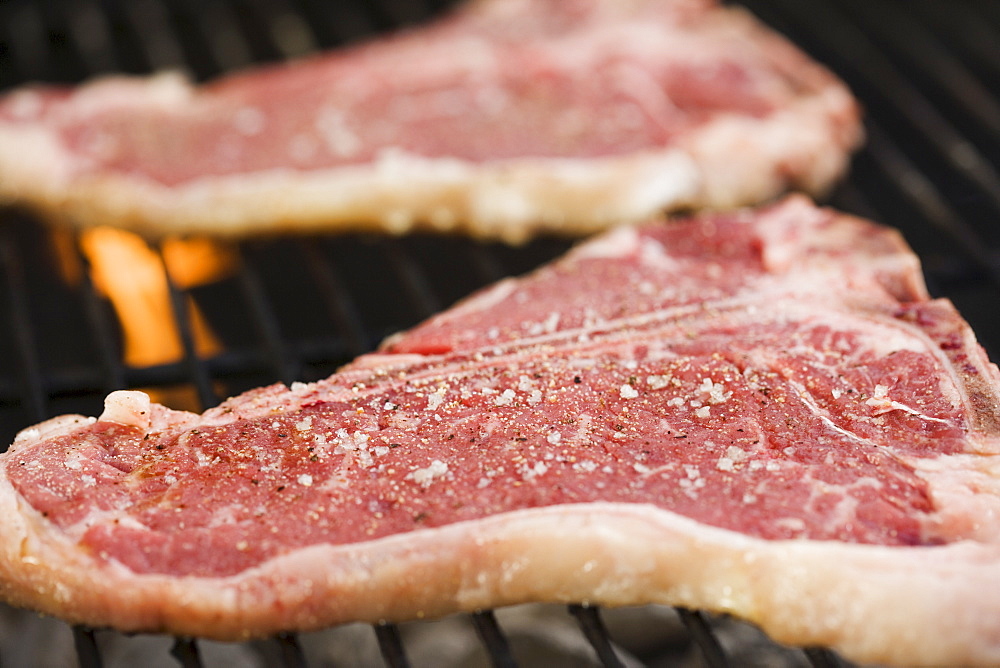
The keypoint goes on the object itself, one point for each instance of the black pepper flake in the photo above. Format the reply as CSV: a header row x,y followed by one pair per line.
x,y
420,517
280,488
395,445
577,380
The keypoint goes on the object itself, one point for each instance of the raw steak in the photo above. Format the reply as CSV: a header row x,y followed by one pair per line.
x,y
759,413
506,118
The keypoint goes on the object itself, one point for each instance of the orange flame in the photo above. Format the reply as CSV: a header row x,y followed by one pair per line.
x,y
134,279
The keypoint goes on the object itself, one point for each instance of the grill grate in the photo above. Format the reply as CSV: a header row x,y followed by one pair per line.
x,y
296,309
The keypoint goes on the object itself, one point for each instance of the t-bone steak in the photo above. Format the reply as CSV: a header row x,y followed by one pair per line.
x,y
759,413
502,119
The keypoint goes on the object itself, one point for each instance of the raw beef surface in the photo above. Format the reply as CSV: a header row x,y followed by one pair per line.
x,y
620,103
769,395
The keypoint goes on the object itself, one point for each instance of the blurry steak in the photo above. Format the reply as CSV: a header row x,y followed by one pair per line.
x,y
506,118
759,413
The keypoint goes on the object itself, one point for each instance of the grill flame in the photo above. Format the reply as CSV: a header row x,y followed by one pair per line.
x,y
134,278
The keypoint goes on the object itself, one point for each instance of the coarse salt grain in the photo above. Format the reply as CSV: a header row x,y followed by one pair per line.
x,y
628,392
506,398
657,382
425,476
435,399
305,480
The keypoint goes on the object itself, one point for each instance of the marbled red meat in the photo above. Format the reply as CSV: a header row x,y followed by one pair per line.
x,y
505,118
760,413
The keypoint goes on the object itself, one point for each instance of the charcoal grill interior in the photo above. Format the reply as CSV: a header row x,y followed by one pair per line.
x,y
295,309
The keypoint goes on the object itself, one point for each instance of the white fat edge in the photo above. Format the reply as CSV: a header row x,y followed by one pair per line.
x,y
620,188
972,475
128,407
35,160
394,163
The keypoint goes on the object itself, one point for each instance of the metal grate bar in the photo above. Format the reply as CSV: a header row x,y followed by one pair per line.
x,y
185,650
291,651
589,619
822,658
917,187
338,300
391,645
976,36
85,644
89,29
843,43
416,287
485,263
30,376
273,31
193,365
494,640
896,25
160,46
704,637
336,23
285,368
100,322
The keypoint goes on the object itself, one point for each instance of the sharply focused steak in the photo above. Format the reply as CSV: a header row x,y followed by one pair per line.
x,y
760,413
503,119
